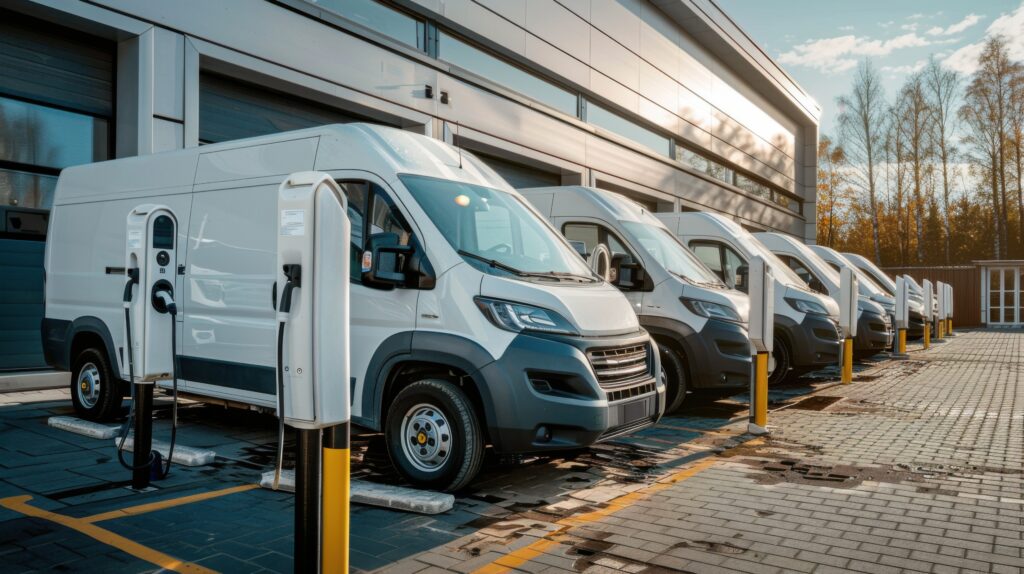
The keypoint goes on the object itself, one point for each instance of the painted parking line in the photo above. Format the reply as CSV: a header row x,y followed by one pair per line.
x,y
20,504
162,504
526,553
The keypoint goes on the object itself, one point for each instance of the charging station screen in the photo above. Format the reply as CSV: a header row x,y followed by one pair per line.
x,y
163,233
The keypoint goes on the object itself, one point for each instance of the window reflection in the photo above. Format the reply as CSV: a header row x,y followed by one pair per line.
x,y
26,189
380,18
455,51
611,121
40,136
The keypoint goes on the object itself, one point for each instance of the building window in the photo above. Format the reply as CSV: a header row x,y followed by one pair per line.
x,y
456,51
380,18
613,122
721,172
755,188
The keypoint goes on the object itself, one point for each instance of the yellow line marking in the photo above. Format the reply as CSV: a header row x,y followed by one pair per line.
x,y
20,504
162,504
523,555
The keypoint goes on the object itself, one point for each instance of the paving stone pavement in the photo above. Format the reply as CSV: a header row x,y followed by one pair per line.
x,y
915,467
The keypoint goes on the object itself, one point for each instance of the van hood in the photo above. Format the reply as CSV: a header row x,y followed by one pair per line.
x,y
595,310
828,303
865,304
728,297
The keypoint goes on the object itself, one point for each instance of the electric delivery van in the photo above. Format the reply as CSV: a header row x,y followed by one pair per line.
x,y
699,323
473,321
806,334
874,326
915,304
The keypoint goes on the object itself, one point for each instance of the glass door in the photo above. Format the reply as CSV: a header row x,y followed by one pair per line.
x,y
1004,296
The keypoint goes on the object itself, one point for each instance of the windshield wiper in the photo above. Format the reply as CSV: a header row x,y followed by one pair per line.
x,y
493,263
710,284
570,275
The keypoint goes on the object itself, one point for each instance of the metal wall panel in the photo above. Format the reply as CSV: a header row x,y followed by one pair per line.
x,y
620,19
563,29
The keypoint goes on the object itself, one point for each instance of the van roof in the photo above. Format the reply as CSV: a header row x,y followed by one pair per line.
x,y
379,149
593,201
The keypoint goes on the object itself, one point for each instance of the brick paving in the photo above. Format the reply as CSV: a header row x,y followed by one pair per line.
x,y
916,467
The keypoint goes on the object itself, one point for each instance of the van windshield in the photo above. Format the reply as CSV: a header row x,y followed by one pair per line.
x,y
664,248
494,231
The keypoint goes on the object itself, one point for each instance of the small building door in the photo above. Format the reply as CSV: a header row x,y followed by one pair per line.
x,y
1004,296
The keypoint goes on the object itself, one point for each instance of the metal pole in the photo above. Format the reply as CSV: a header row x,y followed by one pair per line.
x,y
336,459
307,501
143,439
759,400
927,334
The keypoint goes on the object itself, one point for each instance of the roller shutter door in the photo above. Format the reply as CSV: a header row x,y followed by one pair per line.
x,y
56,110
520,176
231,109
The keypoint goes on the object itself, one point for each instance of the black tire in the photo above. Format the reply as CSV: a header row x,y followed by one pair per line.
x,y
675,377
431,401
783,362
95,392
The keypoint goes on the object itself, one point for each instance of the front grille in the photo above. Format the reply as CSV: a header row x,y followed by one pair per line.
x,y
621,366
630,392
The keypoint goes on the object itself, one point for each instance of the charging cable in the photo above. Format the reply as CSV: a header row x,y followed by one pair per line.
x,y
171,307
294,275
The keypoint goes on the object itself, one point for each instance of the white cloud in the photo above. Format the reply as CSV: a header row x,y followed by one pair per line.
x,y
885,24
846,28
967,22
1009,26
906,69
839,54
911,27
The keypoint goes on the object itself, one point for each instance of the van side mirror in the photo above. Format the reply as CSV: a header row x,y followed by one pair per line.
x,y
626,273
383,261
742,278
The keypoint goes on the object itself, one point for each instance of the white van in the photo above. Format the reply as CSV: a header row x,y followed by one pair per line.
x,y
699,323
806,334
476,319
874,326
915,306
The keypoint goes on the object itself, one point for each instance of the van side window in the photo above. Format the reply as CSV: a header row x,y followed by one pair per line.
x,y
721,259
592,235
799,268
365,197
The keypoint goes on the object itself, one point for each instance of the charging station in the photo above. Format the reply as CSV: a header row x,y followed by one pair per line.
x,y
927,299
150,330
762,336
848,296
902,317
949,310
313,238
940,310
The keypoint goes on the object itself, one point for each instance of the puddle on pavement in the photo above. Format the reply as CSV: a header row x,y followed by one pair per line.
x,y
836,476
711,546
815,403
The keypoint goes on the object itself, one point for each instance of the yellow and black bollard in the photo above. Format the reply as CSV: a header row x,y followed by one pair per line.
x,y
927,335
902,334
847,376
336,466
760,412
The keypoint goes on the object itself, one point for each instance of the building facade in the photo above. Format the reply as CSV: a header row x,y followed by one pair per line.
x,y
666,101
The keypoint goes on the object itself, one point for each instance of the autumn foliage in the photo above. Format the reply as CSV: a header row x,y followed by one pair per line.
x,y
933,176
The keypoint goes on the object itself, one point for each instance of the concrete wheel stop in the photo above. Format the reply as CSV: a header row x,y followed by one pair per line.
x,y
383,495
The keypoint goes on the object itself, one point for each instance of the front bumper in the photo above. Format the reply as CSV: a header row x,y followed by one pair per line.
x,y
874,333
544,393
719,356
814,342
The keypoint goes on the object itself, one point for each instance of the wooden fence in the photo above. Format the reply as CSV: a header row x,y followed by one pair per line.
x,y
966,282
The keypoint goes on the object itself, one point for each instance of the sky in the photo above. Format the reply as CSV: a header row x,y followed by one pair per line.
x,y
820,42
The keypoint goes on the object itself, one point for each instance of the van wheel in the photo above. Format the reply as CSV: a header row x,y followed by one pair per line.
x,y
783,362
95,392
433,436
674,375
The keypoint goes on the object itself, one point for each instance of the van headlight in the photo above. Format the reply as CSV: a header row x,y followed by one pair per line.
x,y
711,310
518,317
804,306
